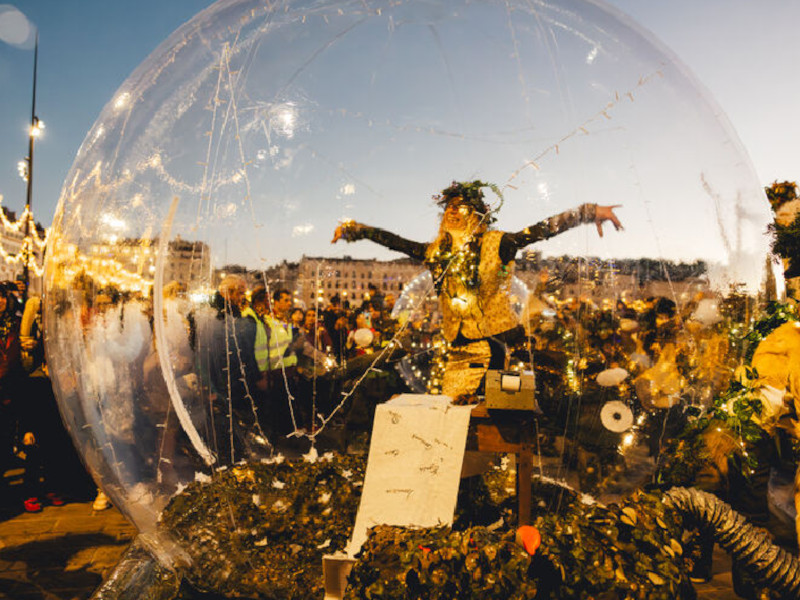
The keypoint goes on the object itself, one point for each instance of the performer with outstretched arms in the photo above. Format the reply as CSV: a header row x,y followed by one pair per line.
x,y
472,267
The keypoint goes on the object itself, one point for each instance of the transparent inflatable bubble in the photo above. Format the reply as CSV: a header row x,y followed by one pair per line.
x,y
228,159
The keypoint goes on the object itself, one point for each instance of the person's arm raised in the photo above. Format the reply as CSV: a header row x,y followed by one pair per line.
x,y
351,231
585,213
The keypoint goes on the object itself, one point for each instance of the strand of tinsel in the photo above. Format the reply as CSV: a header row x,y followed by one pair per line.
x,y
771,565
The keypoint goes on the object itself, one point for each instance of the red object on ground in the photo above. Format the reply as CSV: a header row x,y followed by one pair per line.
x,y
55,499
530,538
33,505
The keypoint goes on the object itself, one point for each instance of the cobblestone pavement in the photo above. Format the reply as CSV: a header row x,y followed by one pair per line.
x,y
60,553
721,585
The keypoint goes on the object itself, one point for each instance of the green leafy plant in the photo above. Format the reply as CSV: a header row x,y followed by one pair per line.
x,y
260,530
786,243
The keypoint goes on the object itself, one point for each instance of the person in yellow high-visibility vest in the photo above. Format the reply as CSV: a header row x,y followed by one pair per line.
x,y
281,363
281,355
257,310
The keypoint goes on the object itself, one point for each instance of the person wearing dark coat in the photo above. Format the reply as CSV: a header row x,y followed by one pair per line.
x,y
228,351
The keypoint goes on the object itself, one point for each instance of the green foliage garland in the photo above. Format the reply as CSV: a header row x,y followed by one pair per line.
x,y
471,193
588,551
441,564
775,315
631,550
260,530
787,244
779,194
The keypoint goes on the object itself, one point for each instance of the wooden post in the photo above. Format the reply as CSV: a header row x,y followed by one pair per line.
x,y
524,473
510,432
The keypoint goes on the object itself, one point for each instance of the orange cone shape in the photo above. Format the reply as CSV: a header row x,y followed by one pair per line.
x,y
529,537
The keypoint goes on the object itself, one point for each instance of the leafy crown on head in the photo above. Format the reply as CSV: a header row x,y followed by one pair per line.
x,y
471,194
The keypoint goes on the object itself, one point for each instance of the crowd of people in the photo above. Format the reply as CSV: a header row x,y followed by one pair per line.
x,y
253,367
249,367
32,435
285,356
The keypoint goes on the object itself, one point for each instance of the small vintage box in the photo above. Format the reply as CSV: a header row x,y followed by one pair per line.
x,y
510,390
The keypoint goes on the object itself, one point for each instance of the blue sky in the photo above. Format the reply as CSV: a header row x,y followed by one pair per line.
x,y
86,50
742,51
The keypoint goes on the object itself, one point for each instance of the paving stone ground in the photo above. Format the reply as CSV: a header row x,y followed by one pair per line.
x,y
60,553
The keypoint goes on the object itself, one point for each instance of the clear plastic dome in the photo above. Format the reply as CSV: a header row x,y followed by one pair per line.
x,y
242,142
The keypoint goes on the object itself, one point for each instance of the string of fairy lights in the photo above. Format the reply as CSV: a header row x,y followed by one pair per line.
x,y
32,245
103,271
109,271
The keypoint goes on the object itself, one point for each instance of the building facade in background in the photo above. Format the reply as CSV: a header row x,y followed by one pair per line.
x,y
319,279
130,264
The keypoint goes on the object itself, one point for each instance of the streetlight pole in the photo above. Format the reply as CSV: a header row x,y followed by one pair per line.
x,y
34,131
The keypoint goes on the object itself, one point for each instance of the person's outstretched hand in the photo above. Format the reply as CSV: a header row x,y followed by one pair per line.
x,y
602,214
341,230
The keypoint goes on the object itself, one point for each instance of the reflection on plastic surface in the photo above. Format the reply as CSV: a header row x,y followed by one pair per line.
x,y
241,143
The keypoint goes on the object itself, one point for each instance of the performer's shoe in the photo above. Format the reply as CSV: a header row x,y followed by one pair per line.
x,y
54,499
33,505
101,502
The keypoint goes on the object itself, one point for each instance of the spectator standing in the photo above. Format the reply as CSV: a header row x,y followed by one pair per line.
x,y
331,314
362,337
233,373
257,311
296,317
282,363
11,374
375,296
334,319
316,333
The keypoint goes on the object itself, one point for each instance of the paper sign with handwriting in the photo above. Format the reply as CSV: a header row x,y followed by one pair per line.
x,y
414,465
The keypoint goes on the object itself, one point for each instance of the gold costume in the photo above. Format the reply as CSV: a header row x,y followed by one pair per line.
x,y
473,283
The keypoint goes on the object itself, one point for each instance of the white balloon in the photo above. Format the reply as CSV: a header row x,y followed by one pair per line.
x,y
363,337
